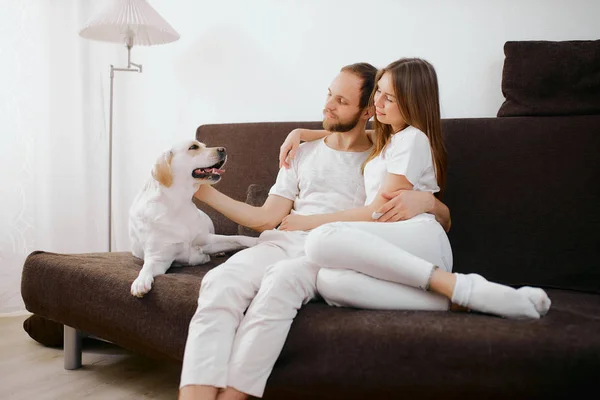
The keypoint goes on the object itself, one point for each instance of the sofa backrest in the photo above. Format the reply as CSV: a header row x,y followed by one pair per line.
x,y
523,192
524,198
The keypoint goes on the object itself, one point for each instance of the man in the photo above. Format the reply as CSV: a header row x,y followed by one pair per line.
x,y
272,280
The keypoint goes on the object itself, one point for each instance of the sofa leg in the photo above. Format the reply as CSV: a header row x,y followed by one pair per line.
x,y
72,348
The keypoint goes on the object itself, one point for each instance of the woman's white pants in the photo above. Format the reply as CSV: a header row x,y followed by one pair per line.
x,y
384,266
270,281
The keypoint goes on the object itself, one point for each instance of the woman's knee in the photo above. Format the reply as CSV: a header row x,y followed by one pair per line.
x,y
332,286
321,242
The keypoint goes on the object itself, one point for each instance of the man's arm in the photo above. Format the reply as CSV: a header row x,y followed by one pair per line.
x,y
263,218
441,213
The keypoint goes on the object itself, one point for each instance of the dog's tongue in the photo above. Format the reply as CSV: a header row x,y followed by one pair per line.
x,y
199,171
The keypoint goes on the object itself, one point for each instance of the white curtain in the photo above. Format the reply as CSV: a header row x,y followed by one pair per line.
x,y
53,136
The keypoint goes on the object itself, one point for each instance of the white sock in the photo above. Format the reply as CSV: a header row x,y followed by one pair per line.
x,y
538,297
475,292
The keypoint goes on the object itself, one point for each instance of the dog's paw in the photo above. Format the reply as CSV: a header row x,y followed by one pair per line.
x,y
199,258
248,241
142,285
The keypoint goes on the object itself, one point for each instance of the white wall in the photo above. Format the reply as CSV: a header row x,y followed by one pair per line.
x,y
236,61
51,129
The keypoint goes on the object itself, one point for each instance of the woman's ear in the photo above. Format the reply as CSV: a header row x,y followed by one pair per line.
x,y
162,169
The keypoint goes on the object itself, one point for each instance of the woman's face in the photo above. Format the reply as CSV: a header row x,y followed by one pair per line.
x,y
386,104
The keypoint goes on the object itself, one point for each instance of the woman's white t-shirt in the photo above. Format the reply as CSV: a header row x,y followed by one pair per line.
x,y
408,153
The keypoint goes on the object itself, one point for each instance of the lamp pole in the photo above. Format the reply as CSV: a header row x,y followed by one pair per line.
x,y
131,67
126,21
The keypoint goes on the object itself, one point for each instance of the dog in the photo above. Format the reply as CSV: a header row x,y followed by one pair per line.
x,y
165,226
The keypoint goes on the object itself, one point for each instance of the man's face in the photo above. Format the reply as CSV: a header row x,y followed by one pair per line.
x,y
342,112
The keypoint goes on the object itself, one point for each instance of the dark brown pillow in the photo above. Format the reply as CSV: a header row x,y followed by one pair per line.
x,y
256,195
44,331
551,78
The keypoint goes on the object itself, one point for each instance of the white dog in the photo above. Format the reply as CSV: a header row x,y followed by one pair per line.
x,y
164,223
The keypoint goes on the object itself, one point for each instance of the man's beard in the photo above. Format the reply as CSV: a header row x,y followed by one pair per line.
x,y
342,126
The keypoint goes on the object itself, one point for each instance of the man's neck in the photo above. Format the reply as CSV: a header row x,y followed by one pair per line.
x,y
353,140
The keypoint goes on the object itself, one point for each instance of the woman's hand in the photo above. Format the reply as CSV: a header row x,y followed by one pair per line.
x,y
405,204
294,222
288,149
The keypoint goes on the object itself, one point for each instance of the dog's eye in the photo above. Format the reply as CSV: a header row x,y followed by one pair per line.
x,y
194,147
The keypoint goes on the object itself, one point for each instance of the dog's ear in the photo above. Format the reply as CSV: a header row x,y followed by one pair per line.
x,y
162,169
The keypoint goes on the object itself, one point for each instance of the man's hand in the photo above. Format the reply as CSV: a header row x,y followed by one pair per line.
x,y
202,192
405,204
288,149
294,222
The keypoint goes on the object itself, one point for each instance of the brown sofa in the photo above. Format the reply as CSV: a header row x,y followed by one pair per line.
x,y
525,204
524,199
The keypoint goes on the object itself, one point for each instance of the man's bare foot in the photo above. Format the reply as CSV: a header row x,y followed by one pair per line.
x,y
232,394
198,392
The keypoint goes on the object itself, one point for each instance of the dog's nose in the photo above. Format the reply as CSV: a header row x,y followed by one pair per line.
x,y
221,150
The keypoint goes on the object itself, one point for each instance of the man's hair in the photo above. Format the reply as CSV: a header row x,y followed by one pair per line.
x,y
367,73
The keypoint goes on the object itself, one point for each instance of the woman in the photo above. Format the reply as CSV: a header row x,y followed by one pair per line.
x,y
405,264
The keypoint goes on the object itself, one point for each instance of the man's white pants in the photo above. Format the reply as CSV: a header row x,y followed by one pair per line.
x,y
381,266
272,280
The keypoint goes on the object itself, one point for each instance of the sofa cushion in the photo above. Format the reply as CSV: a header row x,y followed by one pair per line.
x,y
551,78
255,196
44,331
91,292
428,355
335,352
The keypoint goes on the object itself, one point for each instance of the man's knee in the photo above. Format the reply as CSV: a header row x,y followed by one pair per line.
x,y
222,287
212,278
281,274
287,277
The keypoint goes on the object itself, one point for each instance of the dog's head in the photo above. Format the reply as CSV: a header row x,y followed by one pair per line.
x,y
191,162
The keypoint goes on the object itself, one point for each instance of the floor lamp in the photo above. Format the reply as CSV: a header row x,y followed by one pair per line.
x,y
132,23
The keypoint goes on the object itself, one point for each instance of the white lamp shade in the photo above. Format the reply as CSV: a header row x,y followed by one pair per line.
x,y
129,21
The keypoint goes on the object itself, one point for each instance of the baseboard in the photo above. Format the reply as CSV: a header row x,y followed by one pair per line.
x,y
15,314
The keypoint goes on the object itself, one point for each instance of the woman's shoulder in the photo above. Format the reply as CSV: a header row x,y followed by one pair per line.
x,y
409,136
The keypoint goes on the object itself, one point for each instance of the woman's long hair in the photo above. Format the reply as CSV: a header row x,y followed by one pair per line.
x,y
417,93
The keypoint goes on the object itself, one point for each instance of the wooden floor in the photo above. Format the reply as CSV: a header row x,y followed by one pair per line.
x,y
29,370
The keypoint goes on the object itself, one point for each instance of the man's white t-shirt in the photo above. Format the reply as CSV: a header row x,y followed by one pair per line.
x,y
408,154
322,180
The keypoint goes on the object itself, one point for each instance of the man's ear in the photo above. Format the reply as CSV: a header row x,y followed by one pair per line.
x,y
368,113
162,169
